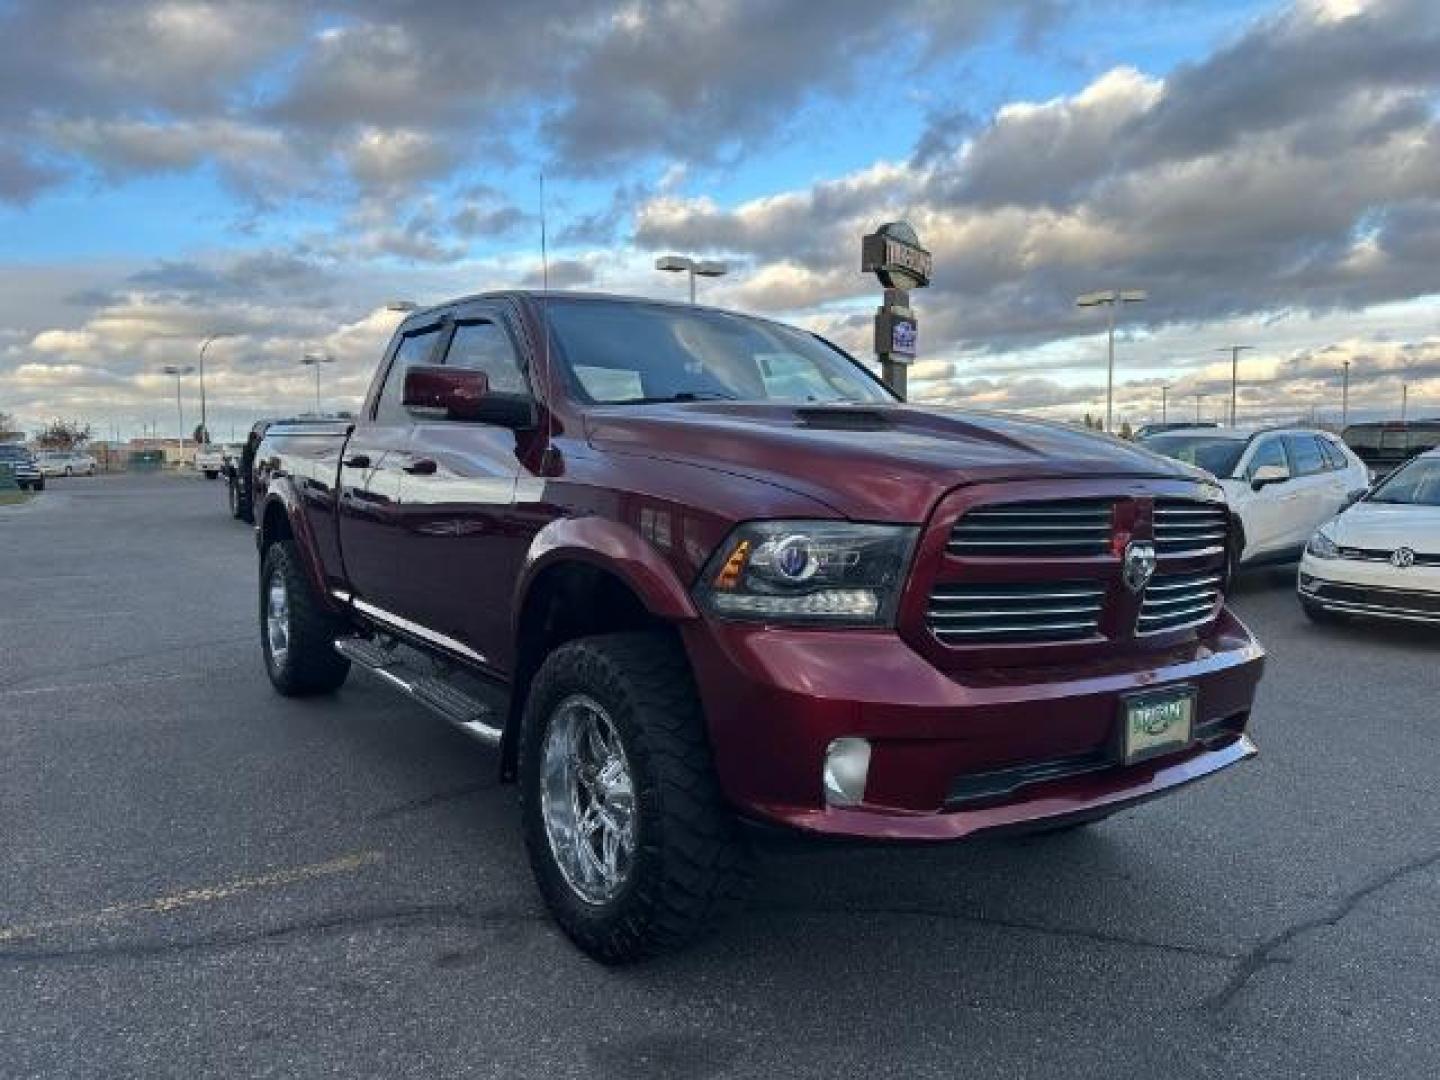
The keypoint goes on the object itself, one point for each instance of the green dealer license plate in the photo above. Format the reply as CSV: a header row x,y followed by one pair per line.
x,y
1157,723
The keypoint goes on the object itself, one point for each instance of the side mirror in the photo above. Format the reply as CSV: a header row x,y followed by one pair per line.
x,y
1268,474
1355,496
455,393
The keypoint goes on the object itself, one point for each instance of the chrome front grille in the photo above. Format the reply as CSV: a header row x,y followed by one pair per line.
x,y
1047,611
1034,529
1184,526
1177,601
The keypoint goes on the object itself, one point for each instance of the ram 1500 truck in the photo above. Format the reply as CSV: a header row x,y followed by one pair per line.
x,y
691,570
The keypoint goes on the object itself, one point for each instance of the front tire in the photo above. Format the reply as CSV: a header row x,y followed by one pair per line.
x,y
297,635
629,837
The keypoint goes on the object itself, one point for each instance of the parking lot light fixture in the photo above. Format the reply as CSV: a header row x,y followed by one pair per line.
x,y
314,360
205,345
677,264
179,373
1110,299
405,306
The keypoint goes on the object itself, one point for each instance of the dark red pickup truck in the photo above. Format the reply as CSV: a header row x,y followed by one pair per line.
x,y
691,570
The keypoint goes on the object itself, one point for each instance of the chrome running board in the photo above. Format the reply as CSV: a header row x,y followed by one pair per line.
x,y
385,661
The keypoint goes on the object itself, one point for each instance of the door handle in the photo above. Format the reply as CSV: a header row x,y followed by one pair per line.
x,y
357,461
422,467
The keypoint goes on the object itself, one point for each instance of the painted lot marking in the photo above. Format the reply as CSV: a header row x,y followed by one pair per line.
x,y
205,894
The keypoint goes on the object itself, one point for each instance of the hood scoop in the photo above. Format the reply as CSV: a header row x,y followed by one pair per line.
x,y
842,418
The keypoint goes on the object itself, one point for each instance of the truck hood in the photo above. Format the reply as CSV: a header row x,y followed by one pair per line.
x,y
870,462
1387,526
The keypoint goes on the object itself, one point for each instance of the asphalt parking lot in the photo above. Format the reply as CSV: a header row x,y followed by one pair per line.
x,y
202,878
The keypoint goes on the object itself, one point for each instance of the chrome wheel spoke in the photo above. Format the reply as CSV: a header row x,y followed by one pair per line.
x,y
277,619
588,799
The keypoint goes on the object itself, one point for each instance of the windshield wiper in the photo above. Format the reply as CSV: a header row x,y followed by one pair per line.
x,y
683,395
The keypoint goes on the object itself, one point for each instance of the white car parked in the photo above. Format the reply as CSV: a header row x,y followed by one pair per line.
x,y
210,460
1281,483
1381,556
65,463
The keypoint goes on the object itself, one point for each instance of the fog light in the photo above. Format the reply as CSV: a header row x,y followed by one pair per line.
x,y
847,763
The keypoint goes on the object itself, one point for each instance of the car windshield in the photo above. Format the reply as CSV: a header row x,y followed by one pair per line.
x,y
1415,484
11,452
1217,456
619,353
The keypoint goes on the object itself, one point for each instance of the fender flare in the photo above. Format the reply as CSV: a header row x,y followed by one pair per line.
x,y
613,547
281,492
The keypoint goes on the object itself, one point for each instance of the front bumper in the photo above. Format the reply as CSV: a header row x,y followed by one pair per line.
x,y
953,754
1372,589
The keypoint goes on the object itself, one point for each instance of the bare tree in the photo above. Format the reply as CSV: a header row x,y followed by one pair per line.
x,y
63,435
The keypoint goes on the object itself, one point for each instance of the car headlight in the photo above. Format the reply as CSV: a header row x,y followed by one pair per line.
x,y
1322,547
831,572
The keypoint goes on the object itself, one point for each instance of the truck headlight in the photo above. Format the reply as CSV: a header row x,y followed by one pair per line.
x,y
1322,547
831,572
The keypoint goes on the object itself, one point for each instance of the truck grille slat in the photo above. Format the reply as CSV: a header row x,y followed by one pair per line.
x,y
1184,526
1050,611
1061,527
1177,602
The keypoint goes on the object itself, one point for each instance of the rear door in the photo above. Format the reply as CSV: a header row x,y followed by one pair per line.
x,y
465,537
1314,483
371,476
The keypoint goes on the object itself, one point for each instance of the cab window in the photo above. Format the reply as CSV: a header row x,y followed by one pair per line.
x,y
1267,452
413,349
486,347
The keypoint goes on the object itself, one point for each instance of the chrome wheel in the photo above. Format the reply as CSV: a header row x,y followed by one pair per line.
x,y
277,620
587,799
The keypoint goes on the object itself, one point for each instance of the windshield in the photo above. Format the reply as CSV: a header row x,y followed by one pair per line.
x,y
1217,456
11,452
1415,484
619,353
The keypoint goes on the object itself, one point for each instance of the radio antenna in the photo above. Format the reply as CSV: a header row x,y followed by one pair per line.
x,y
544,258
545,335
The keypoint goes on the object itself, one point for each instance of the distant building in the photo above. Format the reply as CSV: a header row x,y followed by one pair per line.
x,y
176,455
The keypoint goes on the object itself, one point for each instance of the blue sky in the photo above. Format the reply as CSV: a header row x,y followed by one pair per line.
x,y
1268,170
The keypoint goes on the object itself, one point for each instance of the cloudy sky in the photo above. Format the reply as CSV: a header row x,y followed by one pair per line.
x,y
276,170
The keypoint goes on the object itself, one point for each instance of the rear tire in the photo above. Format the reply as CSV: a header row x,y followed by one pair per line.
x,y
297,635
680,863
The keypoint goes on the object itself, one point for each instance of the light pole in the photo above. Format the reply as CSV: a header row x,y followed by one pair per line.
x,y
1345,395
1164,402
1404,400
179,372
1110,299
401,305
1234,351
1198,399
204,345
314,360
694,267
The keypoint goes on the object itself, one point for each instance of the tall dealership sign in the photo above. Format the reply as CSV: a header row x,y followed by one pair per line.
x,y
894,255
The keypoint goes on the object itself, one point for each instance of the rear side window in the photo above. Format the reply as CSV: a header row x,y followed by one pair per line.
x,y
486,347
414,349
1333,454
1305,451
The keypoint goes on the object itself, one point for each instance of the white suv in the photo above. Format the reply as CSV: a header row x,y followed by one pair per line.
x,y
1282,483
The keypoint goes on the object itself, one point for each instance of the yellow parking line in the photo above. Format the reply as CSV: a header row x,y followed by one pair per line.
x,y
206,894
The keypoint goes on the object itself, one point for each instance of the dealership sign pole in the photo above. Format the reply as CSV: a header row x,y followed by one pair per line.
x,y
894,255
